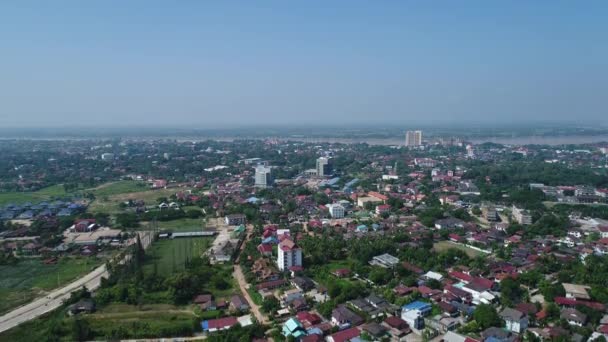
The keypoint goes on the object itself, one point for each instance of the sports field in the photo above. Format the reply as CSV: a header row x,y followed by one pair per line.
x,y
170,255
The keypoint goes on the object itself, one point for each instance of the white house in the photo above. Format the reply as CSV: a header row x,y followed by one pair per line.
x,y
515,320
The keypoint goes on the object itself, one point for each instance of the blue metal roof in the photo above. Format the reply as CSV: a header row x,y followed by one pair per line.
x,y
417,305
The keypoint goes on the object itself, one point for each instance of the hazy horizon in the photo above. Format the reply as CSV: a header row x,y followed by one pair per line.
x,y
222,65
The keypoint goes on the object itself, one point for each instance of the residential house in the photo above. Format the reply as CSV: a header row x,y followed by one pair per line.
x,y
343,317
515,320
573,316
239,303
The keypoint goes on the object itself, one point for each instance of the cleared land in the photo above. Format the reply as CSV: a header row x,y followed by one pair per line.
x,y
23,282
445,245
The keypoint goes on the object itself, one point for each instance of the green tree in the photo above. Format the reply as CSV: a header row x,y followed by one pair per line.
x,y
486,316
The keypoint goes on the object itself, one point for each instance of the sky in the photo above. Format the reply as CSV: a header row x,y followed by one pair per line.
x,y
238,63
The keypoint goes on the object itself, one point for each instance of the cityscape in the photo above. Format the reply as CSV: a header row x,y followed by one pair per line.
x,y
243,171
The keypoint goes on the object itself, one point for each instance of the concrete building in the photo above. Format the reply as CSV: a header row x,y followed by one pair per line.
x,y
522,216
413,138
107,156
336,210
263,176
324,166
289,255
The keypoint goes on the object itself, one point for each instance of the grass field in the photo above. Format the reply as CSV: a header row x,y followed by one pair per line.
x,y
34,196
109,203
117,188
181,225
21,283
445,245
170,255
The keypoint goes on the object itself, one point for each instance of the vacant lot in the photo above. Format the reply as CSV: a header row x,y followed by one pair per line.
x,y
445,245
28,279
34,196
170,255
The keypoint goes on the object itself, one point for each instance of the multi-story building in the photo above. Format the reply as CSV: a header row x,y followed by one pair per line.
x,y
289,255
413,138
522,216
336,210
324,166
263,176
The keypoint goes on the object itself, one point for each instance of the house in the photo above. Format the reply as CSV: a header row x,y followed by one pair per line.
x,y
235,219
341,272
374,330
293,327
515,320
343,317
576,291
573,317
303,283
344,335
291,295
449,223
238,303
84,225
397,328
202,299
219,324
159,184
265,249
82,306
495,334
383,208
414,312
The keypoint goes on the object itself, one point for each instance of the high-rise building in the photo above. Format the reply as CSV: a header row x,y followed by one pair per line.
x,y
289,255
413,138
323,166
263,176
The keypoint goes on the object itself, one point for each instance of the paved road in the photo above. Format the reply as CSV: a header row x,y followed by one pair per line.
x,y
55,299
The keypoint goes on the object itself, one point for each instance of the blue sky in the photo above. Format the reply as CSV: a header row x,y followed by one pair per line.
x,y
203,63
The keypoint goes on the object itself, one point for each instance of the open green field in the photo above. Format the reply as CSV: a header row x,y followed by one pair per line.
x,y
115,322
170,255
445,245
119,187
34,196
21,283
109,203
181,225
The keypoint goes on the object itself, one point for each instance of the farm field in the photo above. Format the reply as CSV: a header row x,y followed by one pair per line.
x,y
445,245
34,196
29,278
